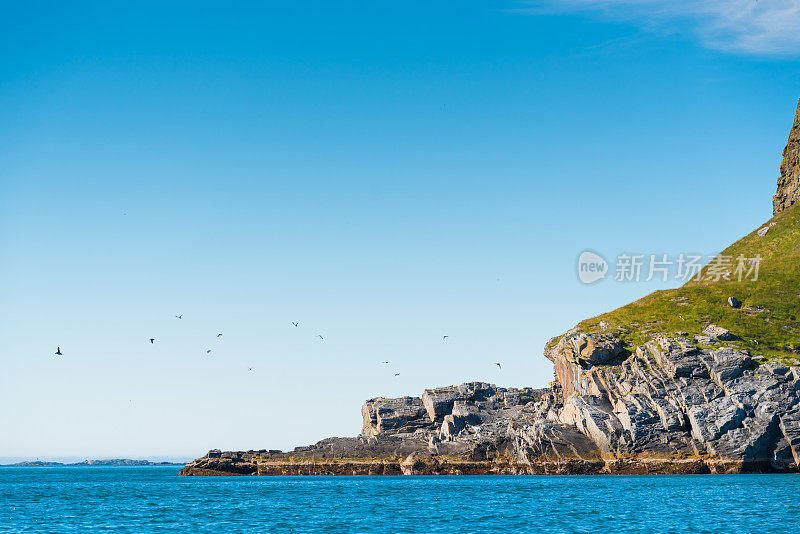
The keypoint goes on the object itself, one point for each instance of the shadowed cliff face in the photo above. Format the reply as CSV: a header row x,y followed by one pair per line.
x,y
789,182
631,394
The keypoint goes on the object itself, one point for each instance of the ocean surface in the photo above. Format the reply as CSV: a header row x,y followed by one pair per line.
x,y
155,499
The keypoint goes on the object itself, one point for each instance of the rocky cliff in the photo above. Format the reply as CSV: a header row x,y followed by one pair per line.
x,y
789,182
668,407
700,379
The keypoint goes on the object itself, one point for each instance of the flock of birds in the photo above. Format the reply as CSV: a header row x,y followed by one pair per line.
x,y
294,324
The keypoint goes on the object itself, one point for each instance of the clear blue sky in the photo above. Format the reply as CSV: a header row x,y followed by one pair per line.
x,y
383,173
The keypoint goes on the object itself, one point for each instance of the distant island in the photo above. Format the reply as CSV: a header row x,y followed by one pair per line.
x,y
84,463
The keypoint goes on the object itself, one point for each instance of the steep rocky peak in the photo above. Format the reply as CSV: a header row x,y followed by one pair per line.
x,y
789,181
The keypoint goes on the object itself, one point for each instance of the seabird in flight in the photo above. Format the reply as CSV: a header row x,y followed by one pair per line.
x,y
152,340
179,316
294,324
58,351
444,337
498,365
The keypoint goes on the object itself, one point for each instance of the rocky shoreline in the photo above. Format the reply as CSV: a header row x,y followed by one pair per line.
x,y
670,407
440,466
631,394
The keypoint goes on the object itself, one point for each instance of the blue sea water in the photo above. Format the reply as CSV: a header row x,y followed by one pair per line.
x,y
155,499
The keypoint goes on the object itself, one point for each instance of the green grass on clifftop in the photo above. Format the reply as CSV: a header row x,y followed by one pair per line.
x,y
773,331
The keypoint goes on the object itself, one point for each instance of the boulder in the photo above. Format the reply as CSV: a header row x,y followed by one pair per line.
x,y
718,333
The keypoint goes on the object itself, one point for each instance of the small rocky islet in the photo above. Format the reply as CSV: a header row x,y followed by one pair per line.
x,y
701,379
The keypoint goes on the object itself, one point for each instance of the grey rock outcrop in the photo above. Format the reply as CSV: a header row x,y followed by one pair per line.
x,y
383,416
579,351
666,406
717,333
673,399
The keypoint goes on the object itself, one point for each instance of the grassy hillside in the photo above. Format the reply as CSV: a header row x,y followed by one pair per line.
x,y
772,331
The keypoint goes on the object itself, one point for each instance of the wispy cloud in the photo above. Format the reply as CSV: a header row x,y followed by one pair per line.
x,y
767,27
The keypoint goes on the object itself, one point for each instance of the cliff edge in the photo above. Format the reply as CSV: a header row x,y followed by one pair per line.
x,y
789,181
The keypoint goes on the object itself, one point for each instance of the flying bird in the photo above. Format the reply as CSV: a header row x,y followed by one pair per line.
x,y
320,336
58,351
250,368
208,351
397,374
218,335
152,340
498,365
294,324
444,337
384,362
179,316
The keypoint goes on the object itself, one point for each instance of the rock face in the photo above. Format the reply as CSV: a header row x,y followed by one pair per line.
x,y
666,407
672,400
789,182
576,351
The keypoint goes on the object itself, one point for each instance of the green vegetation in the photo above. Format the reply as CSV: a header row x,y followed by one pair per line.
x,y
767,321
